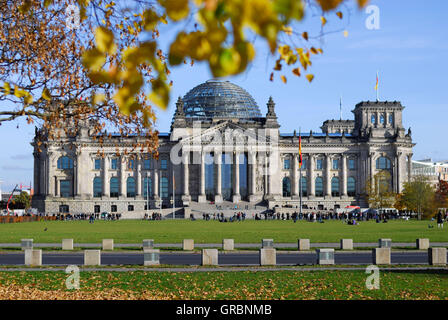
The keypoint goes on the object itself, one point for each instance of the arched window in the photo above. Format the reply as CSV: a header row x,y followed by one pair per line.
x,y
382,119
373,119
114,187
164,187
335,187
391,118
65,163
319,187
147,187
351,186
97,187
383,163
130,187
286,187
304,185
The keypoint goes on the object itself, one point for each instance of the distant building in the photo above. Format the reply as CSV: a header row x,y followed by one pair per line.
x,y
433,170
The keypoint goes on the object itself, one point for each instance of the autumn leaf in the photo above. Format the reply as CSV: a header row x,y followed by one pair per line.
x,y
104,39
310,77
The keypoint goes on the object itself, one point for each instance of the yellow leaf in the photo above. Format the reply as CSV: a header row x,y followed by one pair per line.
x,y
283,78
310,77
104,39
93,59
287,30
323,20
345,33
46,94
175,9
6,88
362,3
314,50
339,14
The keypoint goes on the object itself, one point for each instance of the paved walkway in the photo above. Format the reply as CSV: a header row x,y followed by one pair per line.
x,y
233,269
219,245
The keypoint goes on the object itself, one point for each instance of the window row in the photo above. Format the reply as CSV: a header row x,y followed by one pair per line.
x,y
66,162
319,187
336,164
382,118
131,187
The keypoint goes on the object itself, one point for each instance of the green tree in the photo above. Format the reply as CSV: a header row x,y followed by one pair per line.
x,y
419,196
379,191
23,200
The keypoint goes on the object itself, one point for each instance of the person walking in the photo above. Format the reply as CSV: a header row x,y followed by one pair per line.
x,y
440,220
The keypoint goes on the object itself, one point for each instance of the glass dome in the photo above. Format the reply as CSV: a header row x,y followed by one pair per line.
x,y
219,99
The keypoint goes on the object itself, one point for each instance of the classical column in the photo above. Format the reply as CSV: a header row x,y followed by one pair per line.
x,y
155,181
312,187
202,197
185,160
253,175
344,175
106,186
409,167
327,176
236,177
218,160
49,179
295,176
139,177
122,177
371,168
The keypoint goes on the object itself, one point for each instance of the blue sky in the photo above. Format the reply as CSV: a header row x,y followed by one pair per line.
x,y
409,50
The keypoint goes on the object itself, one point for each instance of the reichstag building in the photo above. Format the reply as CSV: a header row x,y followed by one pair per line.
x,y
221,151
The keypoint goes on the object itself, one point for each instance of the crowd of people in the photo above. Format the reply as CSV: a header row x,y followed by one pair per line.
x,y
153,216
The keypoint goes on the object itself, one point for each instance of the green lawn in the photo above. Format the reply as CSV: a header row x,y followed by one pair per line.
x,y
224,285
134,231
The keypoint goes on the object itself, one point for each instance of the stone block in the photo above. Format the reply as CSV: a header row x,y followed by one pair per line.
x,y
108,244
209,257
67,244
228,244
148,244
346,244
26,244
151,257
437,256
268,257
381,255
188,244
385,243
325,256
267,243
92,257
33,257
422,244
304,244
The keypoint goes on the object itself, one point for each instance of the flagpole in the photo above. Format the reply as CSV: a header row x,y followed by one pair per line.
x,y
300,168
377,87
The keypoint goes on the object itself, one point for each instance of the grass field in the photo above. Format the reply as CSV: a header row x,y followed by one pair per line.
x,y
223,285
166,231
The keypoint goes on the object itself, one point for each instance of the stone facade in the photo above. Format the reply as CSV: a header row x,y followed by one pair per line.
x,y
252,163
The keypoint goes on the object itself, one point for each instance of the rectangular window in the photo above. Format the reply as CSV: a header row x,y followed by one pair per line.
x,y
303,163
113,208
164,164
114,164
335,164
130,207
319,164
65,188
97,164
96,209
146,164
351,164
286,164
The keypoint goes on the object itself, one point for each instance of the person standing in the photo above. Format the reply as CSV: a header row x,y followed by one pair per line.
x,y
440,220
